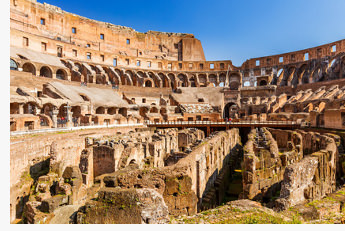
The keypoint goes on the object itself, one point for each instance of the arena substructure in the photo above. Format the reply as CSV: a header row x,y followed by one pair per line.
x,y
117,126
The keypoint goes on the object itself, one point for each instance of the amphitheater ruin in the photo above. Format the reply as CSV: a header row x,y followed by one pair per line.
x,y
110,125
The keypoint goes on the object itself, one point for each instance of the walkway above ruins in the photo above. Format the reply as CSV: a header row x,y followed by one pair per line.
x,y
211,126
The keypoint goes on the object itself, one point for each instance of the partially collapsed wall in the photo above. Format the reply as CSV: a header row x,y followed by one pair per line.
x,y
184,184
301,165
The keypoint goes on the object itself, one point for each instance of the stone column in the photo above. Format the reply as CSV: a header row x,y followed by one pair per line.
x,y
55,112
21,108
69,117
38,110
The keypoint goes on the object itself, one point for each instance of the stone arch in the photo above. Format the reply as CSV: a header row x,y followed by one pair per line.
x,y
100,110
148,83
165,80
76,111
112,110
121,74
13,65
130,75
342,67
156,79
235,81
334,69
128,79
154,110
29,67
123,111
212,78
182,80
193,81
61,74
46,71
316,75
30,107
222,79
163,111
301,72
202,80
47,109
173,81
76,75
278,77
229,110
95,69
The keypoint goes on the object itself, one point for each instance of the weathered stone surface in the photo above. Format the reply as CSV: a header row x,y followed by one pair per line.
x,y
33,215
125,206
50,204
297,179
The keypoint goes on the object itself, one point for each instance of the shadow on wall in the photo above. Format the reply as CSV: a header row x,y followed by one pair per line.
x,y
39,169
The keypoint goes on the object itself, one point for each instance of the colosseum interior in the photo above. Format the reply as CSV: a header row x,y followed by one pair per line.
x,y
112,126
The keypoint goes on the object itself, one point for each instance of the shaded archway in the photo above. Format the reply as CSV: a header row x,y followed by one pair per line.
x,y
172,80
165,80
235,81
192,81
202,80
182,78
112,111
222,79
100,110
263,83
153,110
230,110
213,79
61,74
29,67
123,111
46,72
148,83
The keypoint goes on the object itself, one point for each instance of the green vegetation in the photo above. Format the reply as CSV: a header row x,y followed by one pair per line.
x,y
232,215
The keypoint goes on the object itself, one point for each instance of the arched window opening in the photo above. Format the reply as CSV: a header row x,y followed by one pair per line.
x,y
46,72
13,65
29,67
60,74
100,110
148,83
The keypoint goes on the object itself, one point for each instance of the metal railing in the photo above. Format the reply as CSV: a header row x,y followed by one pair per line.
x,y
249,122
66,129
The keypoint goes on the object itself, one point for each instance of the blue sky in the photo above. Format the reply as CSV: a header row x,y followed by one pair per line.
x,y
228,29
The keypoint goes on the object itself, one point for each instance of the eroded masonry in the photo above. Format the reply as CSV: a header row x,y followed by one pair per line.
x,y
111,125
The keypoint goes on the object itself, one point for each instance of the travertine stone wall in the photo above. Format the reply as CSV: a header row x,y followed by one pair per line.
x,y
184,184
313,178
266,155
29,152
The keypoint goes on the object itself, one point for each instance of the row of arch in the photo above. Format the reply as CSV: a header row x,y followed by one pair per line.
x,y
89,73
311,72
44,70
